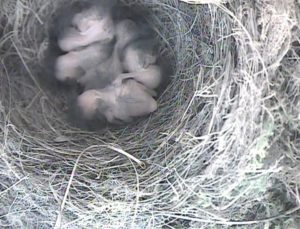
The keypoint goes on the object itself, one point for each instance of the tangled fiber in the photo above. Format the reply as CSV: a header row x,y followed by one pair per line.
x,y
222,151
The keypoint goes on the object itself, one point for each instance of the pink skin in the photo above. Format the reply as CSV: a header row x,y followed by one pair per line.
x,y
134,100
126,31
73,64
87,102
150,77
136,59
123,102
67,68
92,101
87,30
84,20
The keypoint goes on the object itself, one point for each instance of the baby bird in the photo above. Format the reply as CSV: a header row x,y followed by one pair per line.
x,y
106,72
74,64
118,103
139,54
138,59
93,24
150,77
102,75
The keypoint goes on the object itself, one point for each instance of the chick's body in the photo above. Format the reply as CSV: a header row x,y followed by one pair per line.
x,y
103,74
107,71
75,63
139,54
150,77
93,24
118,103
138,60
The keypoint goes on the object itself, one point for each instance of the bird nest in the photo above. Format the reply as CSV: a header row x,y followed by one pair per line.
x,y
222,149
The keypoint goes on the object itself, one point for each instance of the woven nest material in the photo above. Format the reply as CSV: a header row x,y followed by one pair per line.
x,y
222,150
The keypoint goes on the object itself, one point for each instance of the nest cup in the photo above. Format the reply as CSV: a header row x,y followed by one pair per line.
x,y
104,164
183,166
38,110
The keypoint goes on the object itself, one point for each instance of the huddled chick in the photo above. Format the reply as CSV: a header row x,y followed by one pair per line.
x,y
93,24
114,61
118,103
73,64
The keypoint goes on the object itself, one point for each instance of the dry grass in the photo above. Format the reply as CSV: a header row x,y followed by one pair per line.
x,y
222,151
